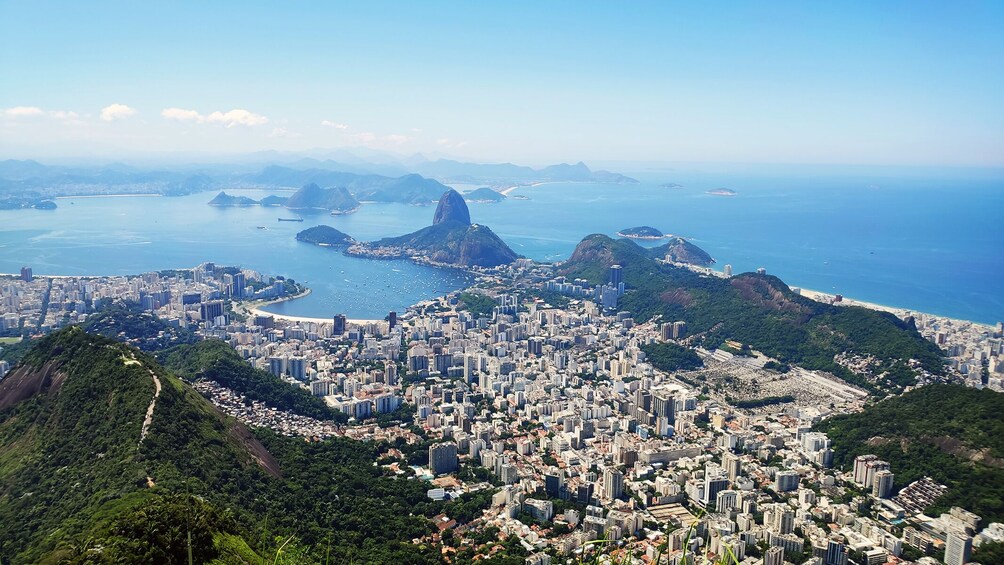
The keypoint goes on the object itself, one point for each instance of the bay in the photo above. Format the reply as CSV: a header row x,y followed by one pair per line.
x,y
927,241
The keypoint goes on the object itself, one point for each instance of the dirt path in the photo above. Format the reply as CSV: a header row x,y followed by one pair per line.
x,y
153,403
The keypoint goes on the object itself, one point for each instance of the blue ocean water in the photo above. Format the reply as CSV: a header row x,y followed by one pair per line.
x,y
127,235
925,240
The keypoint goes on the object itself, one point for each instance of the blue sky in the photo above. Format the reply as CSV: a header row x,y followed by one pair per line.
x,y
904,83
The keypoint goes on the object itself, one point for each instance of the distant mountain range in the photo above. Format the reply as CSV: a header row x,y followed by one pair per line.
x,y
456,171
415,180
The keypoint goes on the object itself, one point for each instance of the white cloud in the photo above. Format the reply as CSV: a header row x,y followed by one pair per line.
x,y
236,117
116,112
398,139
23,111
331,124
181,115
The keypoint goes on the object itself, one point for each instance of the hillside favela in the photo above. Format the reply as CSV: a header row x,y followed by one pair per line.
x,y
512,283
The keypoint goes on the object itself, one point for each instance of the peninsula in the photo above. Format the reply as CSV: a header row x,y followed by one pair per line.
x,y
451,240
484,195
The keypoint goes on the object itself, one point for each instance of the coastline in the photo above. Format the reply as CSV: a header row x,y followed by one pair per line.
x,y
143,195
255,309
827,298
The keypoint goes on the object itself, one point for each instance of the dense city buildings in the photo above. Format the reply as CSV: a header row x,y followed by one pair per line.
x,y
559,409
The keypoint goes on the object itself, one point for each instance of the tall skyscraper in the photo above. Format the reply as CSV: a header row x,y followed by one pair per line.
x,y
616,276
958,548
861,467
714,483
836,553
784,521
871,469
391,320
339,327
664,406
211,310
732,465
679,329
786,481
239,282
297,368
882,484
727,270
443,458
26,274
773,556
613,483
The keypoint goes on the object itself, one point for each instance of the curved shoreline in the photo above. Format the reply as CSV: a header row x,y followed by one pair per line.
x,y
255,308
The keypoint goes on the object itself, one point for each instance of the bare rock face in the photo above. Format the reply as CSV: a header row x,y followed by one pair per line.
x,y
452,208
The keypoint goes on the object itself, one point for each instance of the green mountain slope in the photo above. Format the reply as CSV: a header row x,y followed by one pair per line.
x,y
951,433
77,485
682,251
761,311
71,459
215,360
127,322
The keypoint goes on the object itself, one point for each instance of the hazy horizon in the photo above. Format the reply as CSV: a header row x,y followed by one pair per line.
x,y
895,84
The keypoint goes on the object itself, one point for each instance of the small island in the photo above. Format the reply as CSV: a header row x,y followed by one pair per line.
x,y
337,200
641,232
226,200
484,195
273,201
44,205
671,185
722,192
325,236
